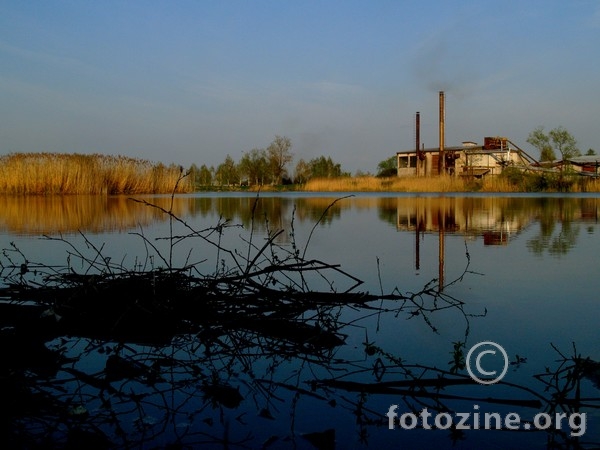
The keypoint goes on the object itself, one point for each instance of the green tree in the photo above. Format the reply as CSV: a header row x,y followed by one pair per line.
x,y
541,141
204,177
387,167
322,167
590,152
227,172
557,140
564,142
200,176
193,172
279,154
254,165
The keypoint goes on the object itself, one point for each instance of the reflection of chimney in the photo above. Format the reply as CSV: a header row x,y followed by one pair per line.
x,y
441,165
441,248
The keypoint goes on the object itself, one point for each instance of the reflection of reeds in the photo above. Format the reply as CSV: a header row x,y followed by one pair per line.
x,y
60,173
92,213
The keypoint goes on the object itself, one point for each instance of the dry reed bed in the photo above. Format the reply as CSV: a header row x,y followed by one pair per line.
x,y
374,184
61,173
428,184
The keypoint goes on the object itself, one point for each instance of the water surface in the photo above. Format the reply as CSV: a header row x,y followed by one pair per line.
x,y
518,270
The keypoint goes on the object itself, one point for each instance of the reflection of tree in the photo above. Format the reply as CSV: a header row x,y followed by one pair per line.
x,y
311,209
547,226
387,210
260,213
556,242
565,240
108,356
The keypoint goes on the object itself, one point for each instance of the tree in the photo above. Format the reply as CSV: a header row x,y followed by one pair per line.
x,y
541,141
557,139
200,176
322,167
591,152
279,155
227,172
254,166
387,167
302,172
564,142
193,174
205,176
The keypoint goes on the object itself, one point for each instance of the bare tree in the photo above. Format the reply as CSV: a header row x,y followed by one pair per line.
x,y
302,172
279,155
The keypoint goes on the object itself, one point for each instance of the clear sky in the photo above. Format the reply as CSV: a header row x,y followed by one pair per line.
x,y
191,81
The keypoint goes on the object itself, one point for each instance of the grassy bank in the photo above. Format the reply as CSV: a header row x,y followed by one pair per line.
x,y
61,173
520,183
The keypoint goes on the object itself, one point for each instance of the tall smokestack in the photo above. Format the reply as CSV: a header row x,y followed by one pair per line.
x,y
417,140
418,131
441,165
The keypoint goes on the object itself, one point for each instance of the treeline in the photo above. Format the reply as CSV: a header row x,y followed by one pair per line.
x,y
265,166
62,173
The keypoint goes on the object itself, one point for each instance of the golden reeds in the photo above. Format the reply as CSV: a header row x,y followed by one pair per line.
x,y
440,184
62,173
394,184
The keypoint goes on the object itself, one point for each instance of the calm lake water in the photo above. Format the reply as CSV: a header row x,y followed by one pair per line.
x,y
518,270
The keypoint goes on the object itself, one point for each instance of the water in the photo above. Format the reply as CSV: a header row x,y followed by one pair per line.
x,y
518,270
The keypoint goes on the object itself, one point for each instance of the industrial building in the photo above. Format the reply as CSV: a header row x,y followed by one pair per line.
x,y
470,159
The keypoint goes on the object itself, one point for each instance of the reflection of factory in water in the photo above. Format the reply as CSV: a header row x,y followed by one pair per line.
x,y
488,218
495,220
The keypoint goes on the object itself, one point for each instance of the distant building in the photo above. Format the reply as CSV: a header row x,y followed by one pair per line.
x,y
586,165
469,159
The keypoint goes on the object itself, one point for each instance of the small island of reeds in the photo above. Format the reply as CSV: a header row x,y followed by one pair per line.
x,y
62,173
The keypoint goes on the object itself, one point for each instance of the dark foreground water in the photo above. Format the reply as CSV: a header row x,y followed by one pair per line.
x,y
520,271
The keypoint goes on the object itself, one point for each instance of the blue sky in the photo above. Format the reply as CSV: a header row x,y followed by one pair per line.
x,y
191,81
